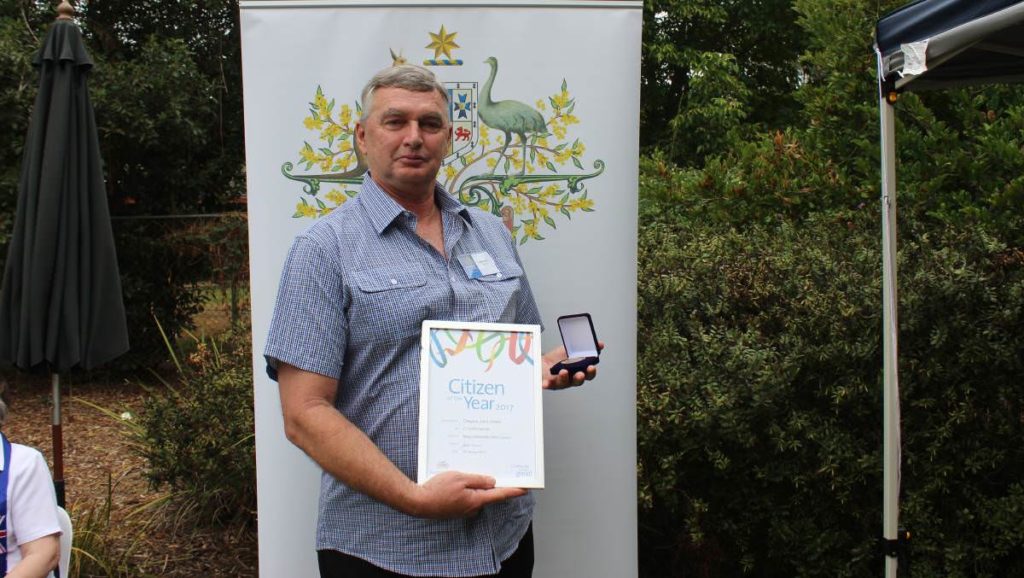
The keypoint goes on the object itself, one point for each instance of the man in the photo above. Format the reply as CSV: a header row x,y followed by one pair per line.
x,y
344,347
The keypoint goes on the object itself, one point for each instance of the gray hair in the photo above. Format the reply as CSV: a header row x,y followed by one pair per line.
x,y
405,76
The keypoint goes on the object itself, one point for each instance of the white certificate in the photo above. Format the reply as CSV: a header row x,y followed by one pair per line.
x,y
480,402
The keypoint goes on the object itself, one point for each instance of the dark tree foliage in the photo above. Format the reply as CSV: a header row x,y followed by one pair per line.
x,y
21,26
743,54
166,88
169,102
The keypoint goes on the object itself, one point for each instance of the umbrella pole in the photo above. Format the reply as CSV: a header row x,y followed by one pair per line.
x,y
891,395
58,442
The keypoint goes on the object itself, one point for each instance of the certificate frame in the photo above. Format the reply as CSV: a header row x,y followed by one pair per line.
x,y
481,407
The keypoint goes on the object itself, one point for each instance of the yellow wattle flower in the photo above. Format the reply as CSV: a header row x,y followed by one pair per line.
x,y
337,197
305,210
342,163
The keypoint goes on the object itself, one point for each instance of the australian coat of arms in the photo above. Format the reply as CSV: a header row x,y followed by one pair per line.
x,y
510,158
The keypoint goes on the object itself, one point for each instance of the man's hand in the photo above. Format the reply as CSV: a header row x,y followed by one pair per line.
x,y
458,495
343,450
563,379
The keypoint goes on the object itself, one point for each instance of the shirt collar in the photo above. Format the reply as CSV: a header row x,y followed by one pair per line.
x,y
383,210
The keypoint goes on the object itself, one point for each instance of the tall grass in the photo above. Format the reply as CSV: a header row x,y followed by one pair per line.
x,y
94,549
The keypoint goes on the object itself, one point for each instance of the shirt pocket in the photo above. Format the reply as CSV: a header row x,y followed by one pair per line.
x,y
387,304
501,291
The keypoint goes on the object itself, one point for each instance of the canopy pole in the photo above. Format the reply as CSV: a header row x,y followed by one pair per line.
x,y
58,441
891,396
65,11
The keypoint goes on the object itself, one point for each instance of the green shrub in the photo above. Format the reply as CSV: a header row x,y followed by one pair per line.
x,y
770,178
198,435
759,401
169,269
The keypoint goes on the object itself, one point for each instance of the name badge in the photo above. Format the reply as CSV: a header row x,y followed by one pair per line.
x,y
479,264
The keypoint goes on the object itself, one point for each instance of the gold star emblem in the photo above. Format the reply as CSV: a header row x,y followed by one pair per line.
x,y
442,43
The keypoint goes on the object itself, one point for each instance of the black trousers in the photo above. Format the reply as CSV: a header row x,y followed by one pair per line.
x,y
334,564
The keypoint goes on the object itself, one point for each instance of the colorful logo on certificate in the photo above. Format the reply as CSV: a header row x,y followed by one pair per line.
x,y
488,347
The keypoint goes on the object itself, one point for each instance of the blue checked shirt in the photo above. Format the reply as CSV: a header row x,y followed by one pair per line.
x,y
355,288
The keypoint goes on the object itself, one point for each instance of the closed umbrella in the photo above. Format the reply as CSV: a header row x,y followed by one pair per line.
x,y
60,302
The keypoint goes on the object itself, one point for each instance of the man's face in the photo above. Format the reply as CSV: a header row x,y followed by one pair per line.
x,y
404,139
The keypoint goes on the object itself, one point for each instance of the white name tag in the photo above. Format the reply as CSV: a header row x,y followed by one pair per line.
x,y
479,264
485,263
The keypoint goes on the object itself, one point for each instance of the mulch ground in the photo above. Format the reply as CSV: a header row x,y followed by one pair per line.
x,y
100,468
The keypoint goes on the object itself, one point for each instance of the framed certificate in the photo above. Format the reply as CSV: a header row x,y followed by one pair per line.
x,y
480,402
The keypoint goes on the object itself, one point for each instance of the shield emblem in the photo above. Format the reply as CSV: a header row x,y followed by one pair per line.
x,y
462,112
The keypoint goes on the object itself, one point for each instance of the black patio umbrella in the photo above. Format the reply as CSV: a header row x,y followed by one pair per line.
x,y
60,302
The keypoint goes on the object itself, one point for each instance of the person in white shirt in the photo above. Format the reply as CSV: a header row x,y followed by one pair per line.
x,y
29,530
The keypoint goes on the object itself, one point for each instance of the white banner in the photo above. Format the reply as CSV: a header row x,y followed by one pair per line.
x,y
568,194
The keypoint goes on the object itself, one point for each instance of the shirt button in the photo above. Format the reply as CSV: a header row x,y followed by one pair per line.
x,y
394,281
498,274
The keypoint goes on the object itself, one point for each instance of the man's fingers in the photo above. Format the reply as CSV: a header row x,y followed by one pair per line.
x,y
565,380
576,379
501,494
478,482
460,494
484,492
484,486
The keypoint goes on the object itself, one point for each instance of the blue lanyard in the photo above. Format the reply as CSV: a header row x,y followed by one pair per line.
x,y
4,475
